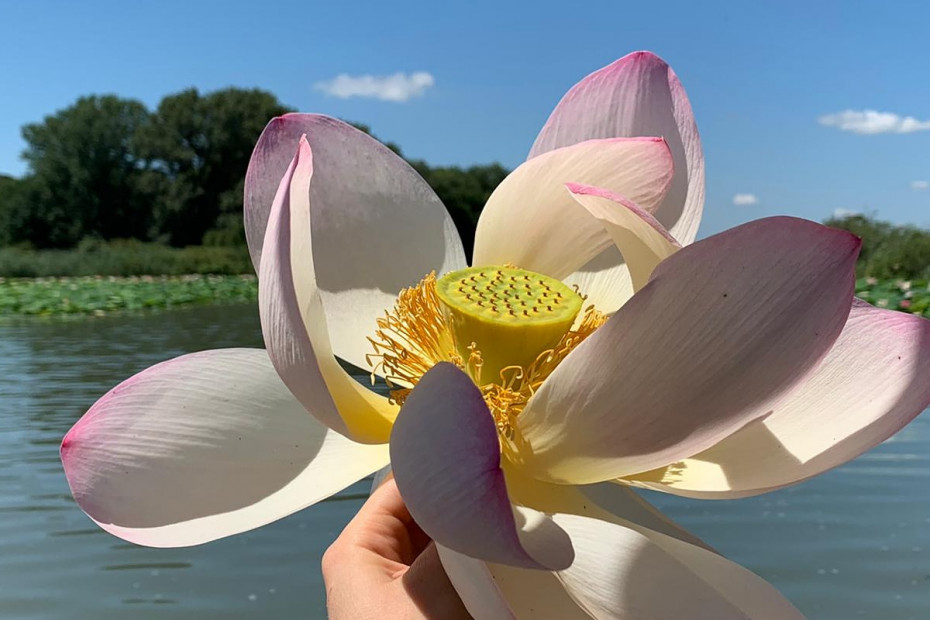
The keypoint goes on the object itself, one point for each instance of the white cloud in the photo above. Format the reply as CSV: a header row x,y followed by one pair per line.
x,y
919,185
399,87
872,122
745,199
841,213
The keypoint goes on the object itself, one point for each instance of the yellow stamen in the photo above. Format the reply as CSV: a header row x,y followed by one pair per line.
x,y
498,324
412,338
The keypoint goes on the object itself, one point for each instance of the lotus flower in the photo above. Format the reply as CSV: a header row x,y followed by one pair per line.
x,y
590,348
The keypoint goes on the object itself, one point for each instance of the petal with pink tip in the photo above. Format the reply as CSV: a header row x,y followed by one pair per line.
x,y
205,446
639,237
295,326
874,381
446,458
638,95
725,329
530,220
377,226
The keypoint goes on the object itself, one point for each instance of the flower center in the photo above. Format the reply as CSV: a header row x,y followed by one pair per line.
x,y
507,328
507,314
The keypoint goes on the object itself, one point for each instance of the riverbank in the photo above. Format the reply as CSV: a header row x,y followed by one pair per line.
x,y
101,295
123,257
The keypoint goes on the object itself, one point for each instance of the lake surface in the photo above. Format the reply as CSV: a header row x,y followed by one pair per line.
x,y
854,543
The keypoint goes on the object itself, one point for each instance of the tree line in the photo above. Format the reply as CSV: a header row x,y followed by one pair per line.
x,y
109,168
888,250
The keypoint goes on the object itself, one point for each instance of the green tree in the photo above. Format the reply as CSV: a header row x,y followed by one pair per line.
x,y
84,174
888,251
202,145
9,187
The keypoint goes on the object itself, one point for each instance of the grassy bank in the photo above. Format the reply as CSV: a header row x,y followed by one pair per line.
x,y
123,258
100,295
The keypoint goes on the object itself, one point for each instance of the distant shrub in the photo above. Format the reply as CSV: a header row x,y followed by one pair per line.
x,y
123,258
888,251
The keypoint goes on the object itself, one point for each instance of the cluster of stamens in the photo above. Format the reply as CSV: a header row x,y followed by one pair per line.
x,y
506,328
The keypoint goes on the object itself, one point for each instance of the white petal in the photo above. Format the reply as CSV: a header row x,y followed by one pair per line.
x,y
377,226
532,222
610,509
638,95
605,280
498,592
475,585
295,326
725,329
640,243
204,446
631,573
875,380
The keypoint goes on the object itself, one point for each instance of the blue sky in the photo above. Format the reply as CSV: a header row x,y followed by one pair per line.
x,y
759,76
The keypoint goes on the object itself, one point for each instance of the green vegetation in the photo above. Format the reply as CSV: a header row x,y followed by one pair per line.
x,y
888,251
906,295
107,169
124,258
114,189
102,295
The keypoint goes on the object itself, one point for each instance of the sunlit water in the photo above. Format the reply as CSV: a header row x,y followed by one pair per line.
x,y
851,544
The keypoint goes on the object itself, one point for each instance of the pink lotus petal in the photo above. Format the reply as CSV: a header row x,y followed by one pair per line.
x,y
638,95
726,329
874,381
377,226
531,222
295,326
447,463
204,446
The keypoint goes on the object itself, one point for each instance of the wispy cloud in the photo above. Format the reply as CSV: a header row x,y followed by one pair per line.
x,y
745,199
398,87
841,213
919,186
872,122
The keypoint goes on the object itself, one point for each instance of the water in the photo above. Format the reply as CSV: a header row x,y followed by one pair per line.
x,y
854,543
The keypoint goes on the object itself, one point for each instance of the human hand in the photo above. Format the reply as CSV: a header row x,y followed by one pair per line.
x,y
383,566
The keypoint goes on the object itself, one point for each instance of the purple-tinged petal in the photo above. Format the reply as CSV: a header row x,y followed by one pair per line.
x,y
530,220
294,324
724,331
377,226
205,446
874,381
638,95
446,457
